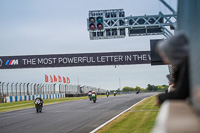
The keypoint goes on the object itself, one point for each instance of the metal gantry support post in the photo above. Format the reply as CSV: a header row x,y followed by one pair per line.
x,y
169,7
188,22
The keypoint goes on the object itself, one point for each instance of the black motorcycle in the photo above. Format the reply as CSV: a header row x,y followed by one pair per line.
x,y
137,92
38,105
107,94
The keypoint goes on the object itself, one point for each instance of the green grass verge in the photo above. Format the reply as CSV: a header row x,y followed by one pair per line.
x,y
139,119
4,107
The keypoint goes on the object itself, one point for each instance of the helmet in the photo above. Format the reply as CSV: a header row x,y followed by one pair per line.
x,y
93,92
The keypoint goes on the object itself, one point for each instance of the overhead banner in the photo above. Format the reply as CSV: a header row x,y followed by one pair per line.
x,y
71,60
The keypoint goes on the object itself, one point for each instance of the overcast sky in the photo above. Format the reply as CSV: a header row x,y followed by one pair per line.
x,y
40,27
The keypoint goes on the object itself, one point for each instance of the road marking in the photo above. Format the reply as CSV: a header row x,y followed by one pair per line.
x,y
143,110
93,131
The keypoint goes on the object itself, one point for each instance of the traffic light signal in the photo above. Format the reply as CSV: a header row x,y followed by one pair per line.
x,y
92,23
99,24
96,23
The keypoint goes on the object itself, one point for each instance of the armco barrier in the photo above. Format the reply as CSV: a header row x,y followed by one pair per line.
x,y
32,97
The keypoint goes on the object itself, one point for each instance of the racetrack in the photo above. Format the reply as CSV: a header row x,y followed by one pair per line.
x,y
80,116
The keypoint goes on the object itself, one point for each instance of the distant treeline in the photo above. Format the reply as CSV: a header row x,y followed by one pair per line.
x,y
148,88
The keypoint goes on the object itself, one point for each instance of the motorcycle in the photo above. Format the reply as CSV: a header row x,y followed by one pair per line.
x,y
90,96
38,106
115,93
107,94
94,98
137,92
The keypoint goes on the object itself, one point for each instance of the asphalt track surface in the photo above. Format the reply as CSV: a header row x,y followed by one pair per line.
x,y
80,116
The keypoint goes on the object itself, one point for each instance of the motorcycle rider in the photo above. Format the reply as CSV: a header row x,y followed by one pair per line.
x,y
89,94
115,93
93,92
39,100
107,93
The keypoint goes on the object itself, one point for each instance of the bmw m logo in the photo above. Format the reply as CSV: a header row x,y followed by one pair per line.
x,y
11,62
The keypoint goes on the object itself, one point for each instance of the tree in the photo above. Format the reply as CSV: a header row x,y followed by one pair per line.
x,y
156,88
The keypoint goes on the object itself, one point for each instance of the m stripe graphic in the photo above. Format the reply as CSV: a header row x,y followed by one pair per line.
x,y
11,62
7,62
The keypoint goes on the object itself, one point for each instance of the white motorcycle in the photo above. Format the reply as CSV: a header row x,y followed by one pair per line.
x,y
90,96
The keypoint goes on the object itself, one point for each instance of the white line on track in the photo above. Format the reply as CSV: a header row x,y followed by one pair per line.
x,y
93,131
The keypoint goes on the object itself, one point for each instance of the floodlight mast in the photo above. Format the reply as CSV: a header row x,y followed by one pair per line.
x,y
114,24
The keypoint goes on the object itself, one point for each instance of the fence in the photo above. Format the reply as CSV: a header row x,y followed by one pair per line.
x,y
85,89
19,89
28,91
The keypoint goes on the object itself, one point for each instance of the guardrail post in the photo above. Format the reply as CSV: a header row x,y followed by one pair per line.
x,y
24,88
38,89
27,86
20,88
59,88
42,88
34,89
66,89
49,85
54,88
2,88
16,88
31,88
12,94
7,89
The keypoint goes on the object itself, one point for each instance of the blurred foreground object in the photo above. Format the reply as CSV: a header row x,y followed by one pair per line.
x,y
176,117
175,51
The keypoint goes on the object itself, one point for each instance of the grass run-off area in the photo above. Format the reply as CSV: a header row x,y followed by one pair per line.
x,y
139,119
4,107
